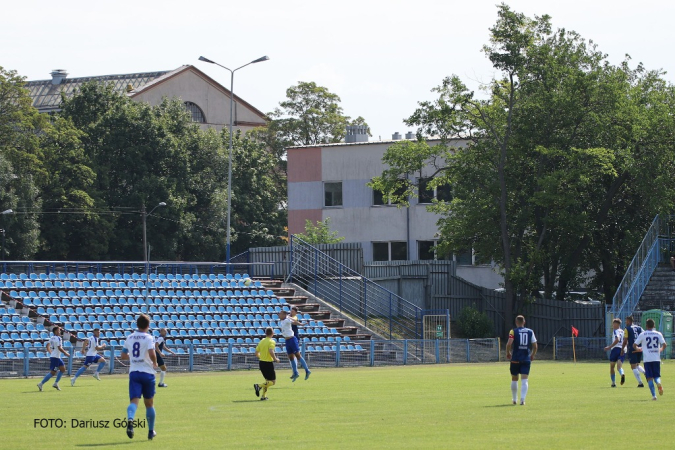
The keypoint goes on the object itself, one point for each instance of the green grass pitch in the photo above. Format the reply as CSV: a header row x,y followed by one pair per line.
x,y
440,406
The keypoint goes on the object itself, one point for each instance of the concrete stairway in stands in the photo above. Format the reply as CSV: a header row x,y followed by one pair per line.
x,y
660,291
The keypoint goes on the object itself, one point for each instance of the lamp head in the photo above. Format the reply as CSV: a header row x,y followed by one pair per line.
x,y
201,58
261,59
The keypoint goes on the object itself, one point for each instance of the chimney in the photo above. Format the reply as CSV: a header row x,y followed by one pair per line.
x,y
409,135
396,136
356,133
58,75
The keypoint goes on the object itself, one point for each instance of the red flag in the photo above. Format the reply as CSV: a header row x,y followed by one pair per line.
x,y
575,332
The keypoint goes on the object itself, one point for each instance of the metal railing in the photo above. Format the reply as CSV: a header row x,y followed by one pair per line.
x,y
257,270
232,356
639,272
354,295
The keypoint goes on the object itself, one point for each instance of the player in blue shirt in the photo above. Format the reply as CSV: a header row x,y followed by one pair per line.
x,y
520,349
55,348
90,347
630,335
616,355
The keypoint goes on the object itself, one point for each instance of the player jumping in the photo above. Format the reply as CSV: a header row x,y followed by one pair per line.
x,y
292,346
90,347
55,348
139,349
265,353
160,348
616,355
630,334
520,349
653,344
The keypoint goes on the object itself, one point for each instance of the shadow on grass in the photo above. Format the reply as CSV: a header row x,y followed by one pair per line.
x,y
246,401
106,444
511,405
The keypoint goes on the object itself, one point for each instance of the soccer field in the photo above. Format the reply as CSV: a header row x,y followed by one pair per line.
x,y
440,406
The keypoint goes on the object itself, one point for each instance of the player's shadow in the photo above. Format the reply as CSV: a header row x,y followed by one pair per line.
x,y
504,405
105,444
246,401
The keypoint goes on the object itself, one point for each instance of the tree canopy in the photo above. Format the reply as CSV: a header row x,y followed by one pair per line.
x,y
78,181
569,157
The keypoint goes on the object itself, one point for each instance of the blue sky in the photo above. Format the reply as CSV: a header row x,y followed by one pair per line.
x,y
381,57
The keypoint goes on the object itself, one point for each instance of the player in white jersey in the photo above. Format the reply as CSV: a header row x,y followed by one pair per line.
x,y
616,354
139,349
55,348
90,347
653,344
292,346
160,348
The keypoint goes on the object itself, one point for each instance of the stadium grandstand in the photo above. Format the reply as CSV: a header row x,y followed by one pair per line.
x,y
212,314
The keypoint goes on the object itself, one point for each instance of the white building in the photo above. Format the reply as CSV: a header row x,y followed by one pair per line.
x,y
207,100
331,180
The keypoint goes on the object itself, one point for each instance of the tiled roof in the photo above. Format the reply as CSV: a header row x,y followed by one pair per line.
x,y
47,96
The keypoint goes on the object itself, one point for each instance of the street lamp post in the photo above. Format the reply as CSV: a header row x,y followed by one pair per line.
x,y
3,231
229,165
145,230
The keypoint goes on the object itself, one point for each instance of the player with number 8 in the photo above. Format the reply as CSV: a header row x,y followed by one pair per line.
x,y
139,349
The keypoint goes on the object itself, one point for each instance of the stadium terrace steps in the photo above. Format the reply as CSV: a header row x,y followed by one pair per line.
x,y
660,291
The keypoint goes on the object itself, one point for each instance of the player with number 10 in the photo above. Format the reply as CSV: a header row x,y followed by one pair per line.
x,y
520,349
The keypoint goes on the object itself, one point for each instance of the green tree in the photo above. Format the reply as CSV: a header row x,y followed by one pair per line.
x,y
319,233
310,115
21,166
566,163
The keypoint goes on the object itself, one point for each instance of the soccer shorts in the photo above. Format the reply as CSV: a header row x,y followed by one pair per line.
x,y
141,383
267,370
634,357
55,363
292,346
160,361
89,360
520,368
616,355
653,369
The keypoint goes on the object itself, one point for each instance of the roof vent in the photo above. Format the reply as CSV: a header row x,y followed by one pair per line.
x,y
58,75
396,136
356,133
409,135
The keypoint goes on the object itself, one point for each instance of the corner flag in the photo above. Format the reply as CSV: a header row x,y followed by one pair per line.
x,y
575,332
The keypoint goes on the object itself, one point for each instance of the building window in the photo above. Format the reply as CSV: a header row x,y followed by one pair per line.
x,y
390,251
442,193
379,200
196,112
464,258
426,250
332,193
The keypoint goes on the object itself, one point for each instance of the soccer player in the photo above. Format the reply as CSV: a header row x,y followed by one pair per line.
x,y
630,334
265,353
89,348
160,348
55,348
139,349
653,344
296,322
520,349
292,346
616,355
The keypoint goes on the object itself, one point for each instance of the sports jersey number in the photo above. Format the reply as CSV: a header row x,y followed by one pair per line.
x,y
649,342
136,349
524,338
